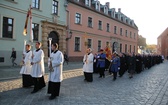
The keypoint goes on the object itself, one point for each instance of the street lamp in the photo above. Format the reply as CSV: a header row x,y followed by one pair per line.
x,y
70,36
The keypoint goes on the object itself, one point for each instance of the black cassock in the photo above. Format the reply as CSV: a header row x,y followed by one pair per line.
x,y
138,64
122,65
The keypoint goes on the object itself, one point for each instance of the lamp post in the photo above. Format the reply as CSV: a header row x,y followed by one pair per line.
x,y
70,36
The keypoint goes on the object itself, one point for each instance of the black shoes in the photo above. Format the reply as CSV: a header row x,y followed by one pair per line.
x,y
52,97
34,91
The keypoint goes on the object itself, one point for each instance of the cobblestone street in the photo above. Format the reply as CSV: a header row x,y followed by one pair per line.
x,y
147,88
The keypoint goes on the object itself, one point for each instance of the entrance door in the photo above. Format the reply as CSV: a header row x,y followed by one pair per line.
x,y
55,39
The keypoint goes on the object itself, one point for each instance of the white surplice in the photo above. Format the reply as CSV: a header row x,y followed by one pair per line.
x,y
57,60
38,66
88,63
27,67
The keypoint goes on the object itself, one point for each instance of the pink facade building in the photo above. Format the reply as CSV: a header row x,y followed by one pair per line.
x,y
91,24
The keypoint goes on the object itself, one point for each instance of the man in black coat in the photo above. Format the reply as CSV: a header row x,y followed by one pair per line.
x,y
122,65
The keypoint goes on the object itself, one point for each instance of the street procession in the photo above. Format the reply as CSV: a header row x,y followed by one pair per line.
x,y
83,52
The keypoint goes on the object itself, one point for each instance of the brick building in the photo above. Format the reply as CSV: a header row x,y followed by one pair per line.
x,y
162,43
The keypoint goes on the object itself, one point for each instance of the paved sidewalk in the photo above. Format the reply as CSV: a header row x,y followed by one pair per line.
x,y
9,72
147,88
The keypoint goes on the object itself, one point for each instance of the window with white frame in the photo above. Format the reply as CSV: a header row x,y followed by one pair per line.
x,y
120,47
87,2
78,18
126,33
125,48
77,43
35,28
108,27
134,36
7,31
99,45
115,29
55,7
105,10
89,43
130,48
120,31
98,6
130,34
100,25
36,4
90,22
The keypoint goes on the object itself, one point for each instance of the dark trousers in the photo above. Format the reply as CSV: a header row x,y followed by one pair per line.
x,y
114,75
88,76
27,80
13,61
101,71
54,88
39,83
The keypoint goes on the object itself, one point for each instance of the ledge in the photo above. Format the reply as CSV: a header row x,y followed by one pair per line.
x,y
10,39
12,1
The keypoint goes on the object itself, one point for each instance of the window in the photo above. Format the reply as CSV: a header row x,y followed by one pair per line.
x,y
115,29
126,33
120,31
35,28
89,43
134,49
134,36
99,45
105,10
130,34
78,18
36,4
130,49
122,19
89,22
108,27
77,44
87,2
7,27
125,48
55,7
97,6
120,47
100,25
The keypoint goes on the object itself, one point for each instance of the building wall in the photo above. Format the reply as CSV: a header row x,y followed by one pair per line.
x,y
18,11
82,30
163,43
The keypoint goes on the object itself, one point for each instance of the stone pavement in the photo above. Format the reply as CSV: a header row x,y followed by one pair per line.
x,y
9,72
147,88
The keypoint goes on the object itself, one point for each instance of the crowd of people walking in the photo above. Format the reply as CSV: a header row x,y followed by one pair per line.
x,y
118,64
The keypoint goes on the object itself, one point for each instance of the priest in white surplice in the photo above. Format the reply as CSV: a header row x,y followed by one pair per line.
x,y
27,80
88,65
55,68
38,68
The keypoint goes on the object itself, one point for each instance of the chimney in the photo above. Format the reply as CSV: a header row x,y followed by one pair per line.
x,y
108,4
119,9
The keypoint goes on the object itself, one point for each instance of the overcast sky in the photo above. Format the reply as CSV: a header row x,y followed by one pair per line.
x,y
151,16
